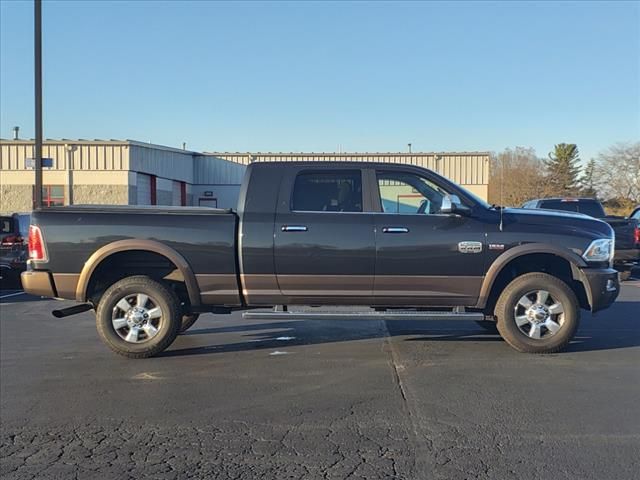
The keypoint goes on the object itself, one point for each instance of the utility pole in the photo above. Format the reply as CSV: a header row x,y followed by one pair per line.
x,y
37,15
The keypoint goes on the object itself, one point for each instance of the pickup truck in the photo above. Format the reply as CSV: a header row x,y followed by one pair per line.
x,y
387,236
626,230
13,248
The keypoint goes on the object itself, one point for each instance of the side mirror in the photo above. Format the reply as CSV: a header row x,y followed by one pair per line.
x,y
452,204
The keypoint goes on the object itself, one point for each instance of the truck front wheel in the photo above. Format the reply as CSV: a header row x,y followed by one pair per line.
x,y
138,317
537,313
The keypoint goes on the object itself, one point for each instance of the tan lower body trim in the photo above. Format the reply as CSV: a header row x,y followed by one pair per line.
x,y
427,286
66,284
218,289
326,285
265,286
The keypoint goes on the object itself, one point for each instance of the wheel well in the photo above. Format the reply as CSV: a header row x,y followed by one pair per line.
x,y
136,262
535,262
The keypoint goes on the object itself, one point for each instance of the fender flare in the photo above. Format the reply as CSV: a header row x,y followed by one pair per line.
x,y
503,260
135,244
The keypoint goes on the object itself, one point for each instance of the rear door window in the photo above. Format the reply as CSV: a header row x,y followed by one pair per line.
x,y
328,191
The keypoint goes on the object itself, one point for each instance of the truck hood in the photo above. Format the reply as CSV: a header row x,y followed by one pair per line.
x,y
528,216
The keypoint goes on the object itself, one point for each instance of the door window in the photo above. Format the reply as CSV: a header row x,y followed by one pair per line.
x,y
328,191
402,192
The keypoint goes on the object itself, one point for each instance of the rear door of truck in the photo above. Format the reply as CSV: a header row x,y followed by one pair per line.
x,y
324,242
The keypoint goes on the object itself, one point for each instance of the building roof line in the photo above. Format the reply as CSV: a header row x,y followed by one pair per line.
x,y
138,143
342,154
98,141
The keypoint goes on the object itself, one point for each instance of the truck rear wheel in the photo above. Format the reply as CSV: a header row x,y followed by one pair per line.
x,y
537,313
138,317
188,321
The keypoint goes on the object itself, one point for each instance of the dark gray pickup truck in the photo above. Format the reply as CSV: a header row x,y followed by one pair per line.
x,y
626,230
386,236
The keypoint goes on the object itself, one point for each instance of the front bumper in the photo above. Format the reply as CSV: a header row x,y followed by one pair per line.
x,y
37,282
601,285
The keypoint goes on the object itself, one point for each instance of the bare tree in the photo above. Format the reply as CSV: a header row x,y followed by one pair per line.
x,y
516,176
618,172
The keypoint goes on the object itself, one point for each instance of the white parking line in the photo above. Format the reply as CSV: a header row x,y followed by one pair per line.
x,y
12,295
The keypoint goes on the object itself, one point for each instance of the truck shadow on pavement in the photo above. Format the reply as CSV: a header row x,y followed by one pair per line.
x,y
618,329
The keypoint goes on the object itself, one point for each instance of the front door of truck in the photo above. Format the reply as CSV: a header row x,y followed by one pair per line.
x,y
324,243
423,256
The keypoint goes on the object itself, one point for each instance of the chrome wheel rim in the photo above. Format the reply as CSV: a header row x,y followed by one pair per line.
x,y
539,315
137,318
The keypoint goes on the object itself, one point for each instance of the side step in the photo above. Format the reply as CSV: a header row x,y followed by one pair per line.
x,y
74,310
362,315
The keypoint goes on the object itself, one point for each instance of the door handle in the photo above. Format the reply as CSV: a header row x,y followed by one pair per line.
x,y
395,230
294,228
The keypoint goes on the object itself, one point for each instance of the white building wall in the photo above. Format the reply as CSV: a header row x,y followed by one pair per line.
x,y
176,192
143,189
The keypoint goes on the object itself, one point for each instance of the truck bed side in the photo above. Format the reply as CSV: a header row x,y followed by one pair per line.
x,y
204,238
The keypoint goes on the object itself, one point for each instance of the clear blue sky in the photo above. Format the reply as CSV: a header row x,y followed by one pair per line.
x,y
311,76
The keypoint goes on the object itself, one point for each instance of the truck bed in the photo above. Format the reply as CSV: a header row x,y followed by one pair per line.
x,y
203,237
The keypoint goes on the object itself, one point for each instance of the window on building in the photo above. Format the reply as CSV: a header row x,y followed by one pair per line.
x,y
337,191
52,195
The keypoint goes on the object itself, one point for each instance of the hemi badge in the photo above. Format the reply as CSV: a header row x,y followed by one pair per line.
x,y
496,246
470,247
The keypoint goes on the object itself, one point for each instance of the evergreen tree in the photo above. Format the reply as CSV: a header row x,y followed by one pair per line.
x,y
588,180
563,170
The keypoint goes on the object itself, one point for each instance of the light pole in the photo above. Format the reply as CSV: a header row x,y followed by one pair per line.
x,y
37,16
70,149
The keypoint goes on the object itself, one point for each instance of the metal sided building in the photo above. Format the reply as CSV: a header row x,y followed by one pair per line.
x,y
115,172
469,169
128,172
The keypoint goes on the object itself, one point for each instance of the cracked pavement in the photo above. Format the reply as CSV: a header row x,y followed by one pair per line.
x,y
275,399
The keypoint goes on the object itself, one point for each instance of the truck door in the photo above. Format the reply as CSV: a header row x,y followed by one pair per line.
x,y
424,257
324,243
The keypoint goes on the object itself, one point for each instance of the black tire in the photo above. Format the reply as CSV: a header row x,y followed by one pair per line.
x,y
488,325
167,329
188,321
505,312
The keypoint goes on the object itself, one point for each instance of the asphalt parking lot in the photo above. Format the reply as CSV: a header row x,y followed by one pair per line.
x,y
235,398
